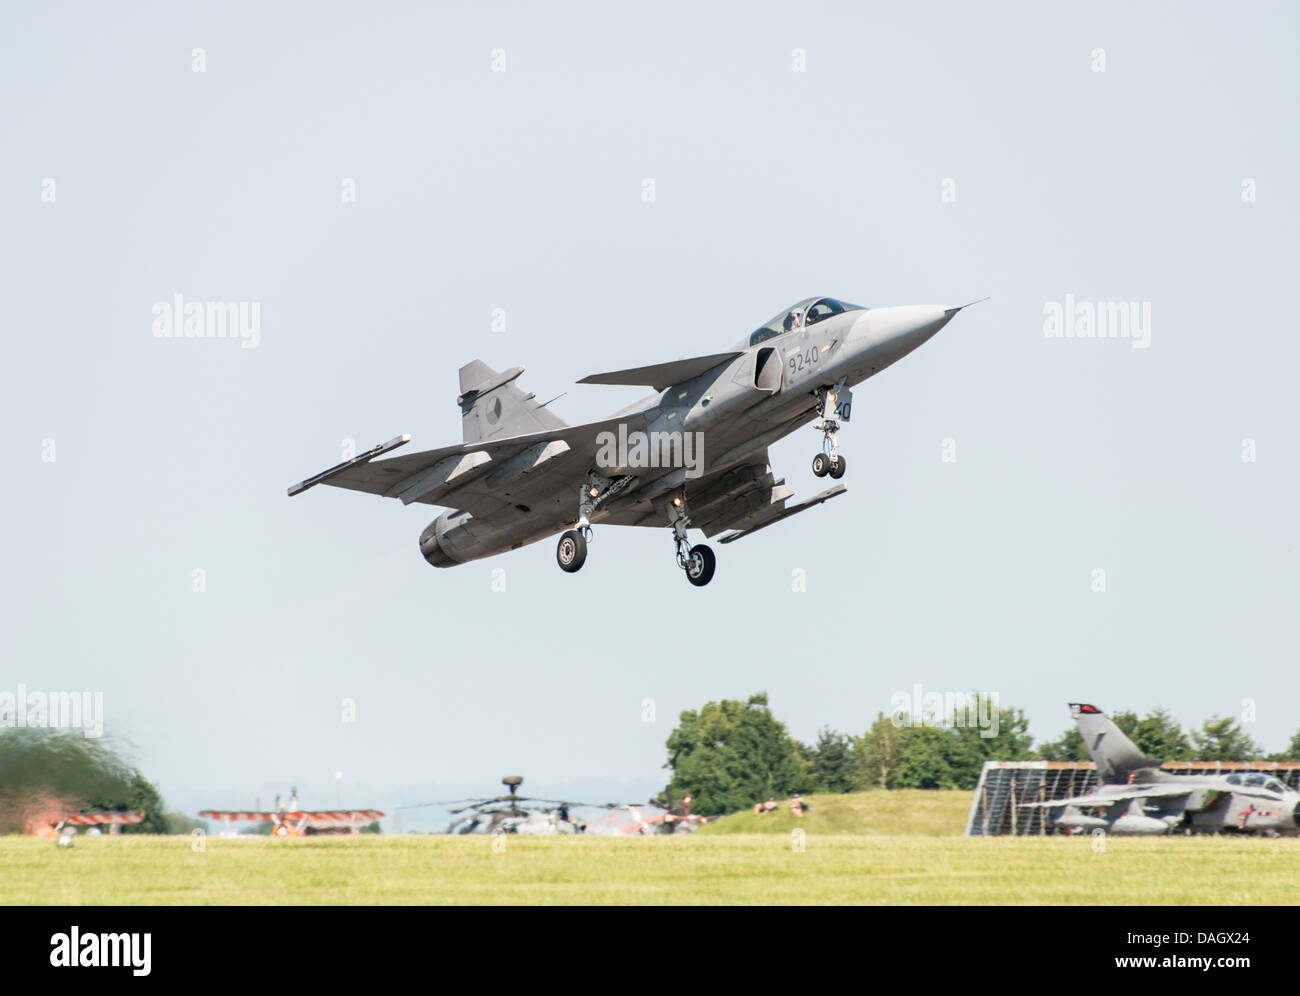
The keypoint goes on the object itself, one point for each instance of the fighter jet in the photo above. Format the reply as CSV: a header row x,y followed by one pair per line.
x,y
1135,796
692,455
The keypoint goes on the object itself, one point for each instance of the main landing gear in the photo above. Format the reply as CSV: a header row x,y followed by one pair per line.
x,y
697,561
835,405
571,551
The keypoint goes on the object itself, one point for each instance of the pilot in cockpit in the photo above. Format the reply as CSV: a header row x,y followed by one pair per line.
x,y
793,320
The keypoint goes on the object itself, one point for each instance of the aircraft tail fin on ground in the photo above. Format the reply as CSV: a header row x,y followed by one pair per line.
x,y
1114,754
492,406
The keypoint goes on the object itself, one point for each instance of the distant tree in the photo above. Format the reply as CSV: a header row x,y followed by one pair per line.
x,y
141,795
807,757
731,754
44,774
1221,738
974,739
877,754
929,759
372,827
832,759
1127,721
1069,746
942,751
1292,752
1159,735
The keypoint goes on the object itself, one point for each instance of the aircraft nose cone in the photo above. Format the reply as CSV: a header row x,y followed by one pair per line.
x,y
913,325
893,332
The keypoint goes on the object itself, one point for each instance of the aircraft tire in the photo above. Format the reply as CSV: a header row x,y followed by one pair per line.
x,y
837,467
700,565
571,551
821,465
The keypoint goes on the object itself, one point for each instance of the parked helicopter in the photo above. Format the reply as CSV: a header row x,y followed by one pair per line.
x,y
514,813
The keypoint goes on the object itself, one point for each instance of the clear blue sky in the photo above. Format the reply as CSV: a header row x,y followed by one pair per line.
x,y
522,190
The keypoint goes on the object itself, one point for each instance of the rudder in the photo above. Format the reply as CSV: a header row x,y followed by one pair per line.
x,y
1114,754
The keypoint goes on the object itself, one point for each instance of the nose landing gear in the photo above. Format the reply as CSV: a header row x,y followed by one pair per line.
x,y
835,404
833,465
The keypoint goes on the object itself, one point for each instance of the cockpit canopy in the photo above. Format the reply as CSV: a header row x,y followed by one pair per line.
x,y
809,312
1258,781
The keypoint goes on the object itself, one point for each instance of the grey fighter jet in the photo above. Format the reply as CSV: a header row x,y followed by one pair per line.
x,y
691,455
1137,797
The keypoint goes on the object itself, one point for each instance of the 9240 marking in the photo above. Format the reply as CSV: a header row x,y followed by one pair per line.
x,y
802,360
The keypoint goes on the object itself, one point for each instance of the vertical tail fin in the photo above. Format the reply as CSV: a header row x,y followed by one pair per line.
x,y
492,405
1114,754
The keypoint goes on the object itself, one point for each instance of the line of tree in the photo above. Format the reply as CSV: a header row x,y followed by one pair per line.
x,y
731,754
46,775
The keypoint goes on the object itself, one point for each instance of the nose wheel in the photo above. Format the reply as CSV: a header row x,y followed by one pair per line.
x,y
832,466
697,562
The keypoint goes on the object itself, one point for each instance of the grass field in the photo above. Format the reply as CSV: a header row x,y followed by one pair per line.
x,y
902,812
712,868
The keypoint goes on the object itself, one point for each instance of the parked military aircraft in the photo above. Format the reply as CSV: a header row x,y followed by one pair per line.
x,y
691,455
1137,797
514,813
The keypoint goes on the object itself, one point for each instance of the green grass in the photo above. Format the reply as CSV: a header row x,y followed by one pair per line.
x,y
725,868
901,812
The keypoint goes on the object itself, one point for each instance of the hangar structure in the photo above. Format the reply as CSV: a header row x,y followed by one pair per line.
x,y
996,809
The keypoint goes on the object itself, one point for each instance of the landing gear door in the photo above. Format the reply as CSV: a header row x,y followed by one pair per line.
x,y
837,403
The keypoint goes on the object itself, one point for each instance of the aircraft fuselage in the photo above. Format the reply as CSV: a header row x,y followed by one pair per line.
x,y
734,411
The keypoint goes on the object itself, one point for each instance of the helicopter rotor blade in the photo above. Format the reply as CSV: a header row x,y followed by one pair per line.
x,y
445,802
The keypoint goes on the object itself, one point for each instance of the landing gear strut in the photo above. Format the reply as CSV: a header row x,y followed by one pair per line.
x,y
697,561
571,551
835,405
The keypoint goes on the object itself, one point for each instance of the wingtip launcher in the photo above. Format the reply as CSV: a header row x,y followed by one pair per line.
x,y
365,457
